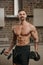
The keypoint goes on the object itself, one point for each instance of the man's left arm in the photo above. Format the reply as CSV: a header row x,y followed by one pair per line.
x,y
35,36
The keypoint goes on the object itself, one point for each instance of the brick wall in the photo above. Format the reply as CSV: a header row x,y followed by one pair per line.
x,y
8,5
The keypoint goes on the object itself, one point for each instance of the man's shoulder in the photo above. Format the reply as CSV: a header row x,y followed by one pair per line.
x,y
15,26
31,26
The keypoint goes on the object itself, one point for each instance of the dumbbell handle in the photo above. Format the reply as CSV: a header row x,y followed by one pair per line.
x,y
9,56
2,51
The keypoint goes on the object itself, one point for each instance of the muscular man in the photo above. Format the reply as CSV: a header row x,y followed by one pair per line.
x,y
21,37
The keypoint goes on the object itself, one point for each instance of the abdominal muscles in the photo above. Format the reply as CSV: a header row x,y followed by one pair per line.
x,y
23,40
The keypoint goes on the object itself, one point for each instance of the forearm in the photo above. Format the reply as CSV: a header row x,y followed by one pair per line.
x,y
36,47
11,46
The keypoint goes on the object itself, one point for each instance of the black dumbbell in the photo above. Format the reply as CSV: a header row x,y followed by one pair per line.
x,y
37,57
13,53
34,55
9,56
2,51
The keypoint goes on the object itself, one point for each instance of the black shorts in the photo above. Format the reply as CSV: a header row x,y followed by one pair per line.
x,y
21,54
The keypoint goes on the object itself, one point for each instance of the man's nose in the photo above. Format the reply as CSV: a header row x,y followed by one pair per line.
x,y
22,15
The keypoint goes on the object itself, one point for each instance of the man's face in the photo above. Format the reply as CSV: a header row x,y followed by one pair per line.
x,y
22,15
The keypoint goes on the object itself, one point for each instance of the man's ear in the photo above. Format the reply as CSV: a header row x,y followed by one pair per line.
x,y
26,16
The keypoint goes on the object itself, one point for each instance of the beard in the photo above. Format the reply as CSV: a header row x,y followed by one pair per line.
x,y
22,18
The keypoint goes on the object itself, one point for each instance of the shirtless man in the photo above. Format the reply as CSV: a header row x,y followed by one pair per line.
x,y
21,37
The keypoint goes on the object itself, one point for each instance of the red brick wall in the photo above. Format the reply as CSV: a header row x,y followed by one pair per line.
x,y
28,6
7,5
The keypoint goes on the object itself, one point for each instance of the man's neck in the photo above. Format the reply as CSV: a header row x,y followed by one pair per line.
x,y
22,22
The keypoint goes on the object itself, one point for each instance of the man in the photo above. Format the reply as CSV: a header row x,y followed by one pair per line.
x,y
21,38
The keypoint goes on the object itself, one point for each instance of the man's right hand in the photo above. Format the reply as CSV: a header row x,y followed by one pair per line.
x,y
6,52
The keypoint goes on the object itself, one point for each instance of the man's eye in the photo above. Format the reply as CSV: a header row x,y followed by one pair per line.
x,y
19,14
23,14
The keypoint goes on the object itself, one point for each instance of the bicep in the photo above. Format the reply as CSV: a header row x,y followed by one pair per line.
x,y
34,33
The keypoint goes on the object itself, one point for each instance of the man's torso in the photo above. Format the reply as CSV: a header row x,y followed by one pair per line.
x,y
23,33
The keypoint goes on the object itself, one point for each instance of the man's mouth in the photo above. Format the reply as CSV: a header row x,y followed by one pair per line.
x,y
22,17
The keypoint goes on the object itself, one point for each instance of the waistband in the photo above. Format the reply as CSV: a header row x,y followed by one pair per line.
x,y
23,46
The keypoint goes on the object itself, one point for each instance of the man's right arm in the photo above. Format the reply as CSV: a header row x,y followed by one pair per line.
x,y
13,43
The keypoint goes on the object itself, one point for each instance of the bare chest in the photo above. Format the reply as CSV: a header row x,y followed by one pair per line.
x,y
22,30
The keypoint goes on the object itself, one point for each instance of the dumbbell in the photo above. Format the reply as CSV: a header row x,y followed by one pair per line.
x,y
2,51
9,56
34,55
